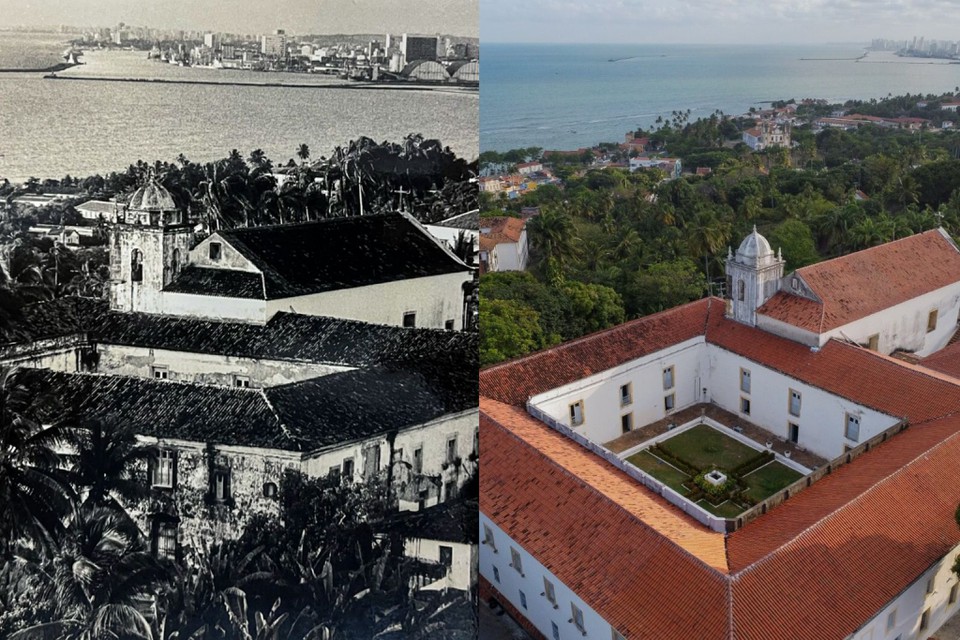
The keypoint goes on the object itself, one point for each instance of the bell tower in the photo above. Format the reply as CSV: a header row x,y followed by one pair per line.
x,y
753,276
150,241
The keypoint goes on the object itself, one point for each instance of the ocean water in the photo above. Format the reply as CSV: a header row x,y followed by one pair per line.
x,y
31,50
572,96
51,128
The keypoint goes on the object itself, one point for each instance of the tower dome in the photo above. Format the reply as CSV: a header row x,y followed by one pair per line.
x,y
152,196
754,247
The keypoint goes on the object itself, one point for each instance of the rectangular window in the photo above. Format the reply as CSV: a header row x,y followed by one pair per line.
x,y
932,321
241,382
891,619
515,561
549,593
794,403
496,574
577,618
348,469
953,594
164,469
488,538
451,448
668,402
334,473
556,630
745,406
930,586
450,490
925,620
159,373
523,600
410,319
745,380
446,556
215,250
793,432
165,542
626,422
873,342
448,325
476,441
626,394
576,413
220,485
418,460
853,428
668,378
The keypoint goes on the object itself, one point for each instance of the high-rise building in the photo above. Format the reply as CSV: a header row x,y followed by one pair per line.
x,y
418,48
274,44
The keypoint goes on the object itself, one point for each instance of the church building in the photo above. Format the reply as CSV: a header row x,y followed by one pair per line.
x,y
776,464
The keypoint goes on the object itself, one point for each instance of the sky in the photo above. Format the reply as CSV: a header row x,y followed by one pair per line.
x,y
717,21
448,17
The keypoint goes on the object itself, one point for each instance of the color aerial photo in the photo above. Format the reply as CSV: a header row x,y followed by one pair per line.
x,y
238,320
720,286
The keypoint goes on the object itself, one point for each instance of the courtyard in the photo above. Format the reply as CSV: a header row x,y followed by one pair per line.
x,y
685,463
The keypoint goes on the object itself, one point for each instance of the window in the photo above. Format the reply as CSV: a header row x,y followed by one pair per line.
x,y
626,394
418,460
745,380
740,290
175,266
451,448
515,560
873,342
334,473
793,430
925,619
241,382
549,593
348,469
932,321
448,325
488,538
446,556
165,540
745,406
523,600
953,594
556,630
930,586
626,422
220,485
270,490
853,427
891,619
136,266
577,618
668,402
164,469
215,250
496,574
576,413
450,490
159,373
410,319
668,378
794,403
476,441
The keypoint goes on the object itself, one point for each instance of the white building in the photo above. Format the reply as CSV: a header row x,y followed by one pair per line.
x,y
767,134
503,244
577,542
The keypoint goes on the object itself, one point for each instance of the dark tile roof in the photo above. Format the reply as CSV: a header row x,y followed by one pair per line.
x,y
457,521
164,408
468,220
224,283
354,405
56,318
301,259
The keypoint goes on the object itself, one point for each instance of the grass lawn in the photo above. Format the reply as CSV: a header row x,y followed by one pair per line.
x,y
769,479
703,447
670,476
728,509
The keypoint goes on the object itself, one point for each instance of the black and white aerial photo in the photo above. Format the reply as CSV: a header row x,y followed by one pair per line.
x,y
238,319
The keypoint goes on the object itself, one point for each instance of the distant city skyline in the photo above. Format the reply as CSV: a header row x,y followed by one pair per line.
x,y
717,22
448,17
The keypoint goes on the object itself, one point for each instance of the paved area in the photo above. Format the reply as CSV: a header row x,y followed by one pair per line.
x,y
950,630
756,433
498,627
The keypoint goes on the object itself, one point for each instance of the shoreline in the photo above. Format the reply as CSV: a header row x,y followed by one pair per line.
x,y
412,86
61,66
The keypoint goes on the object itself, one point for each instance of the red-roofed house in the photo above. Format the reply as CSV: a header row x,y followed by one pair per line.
x,y
503,244
586,532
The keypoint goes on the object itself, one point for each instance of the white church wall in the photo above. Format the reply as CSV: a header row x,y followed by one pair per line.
x,y
822,419
788,331
206,368
460,574
229,258
600,393
901,618
904,326
213,307
434,299
495,566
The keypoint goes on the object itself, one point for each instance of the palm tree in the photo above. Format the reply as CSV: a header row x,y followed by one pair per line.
x,y
102,467
33,492
551,236
303,152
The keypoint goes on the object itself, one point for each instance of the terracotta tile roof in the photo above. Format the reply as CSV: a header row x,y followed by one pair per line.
x,y
947,360
503,229
794,310
514,382
640,581
862,283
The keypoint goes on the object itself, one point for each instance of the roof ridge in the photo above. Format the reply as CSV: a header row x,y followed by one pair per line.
x,y
861,496
276,415
589,487
816,265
